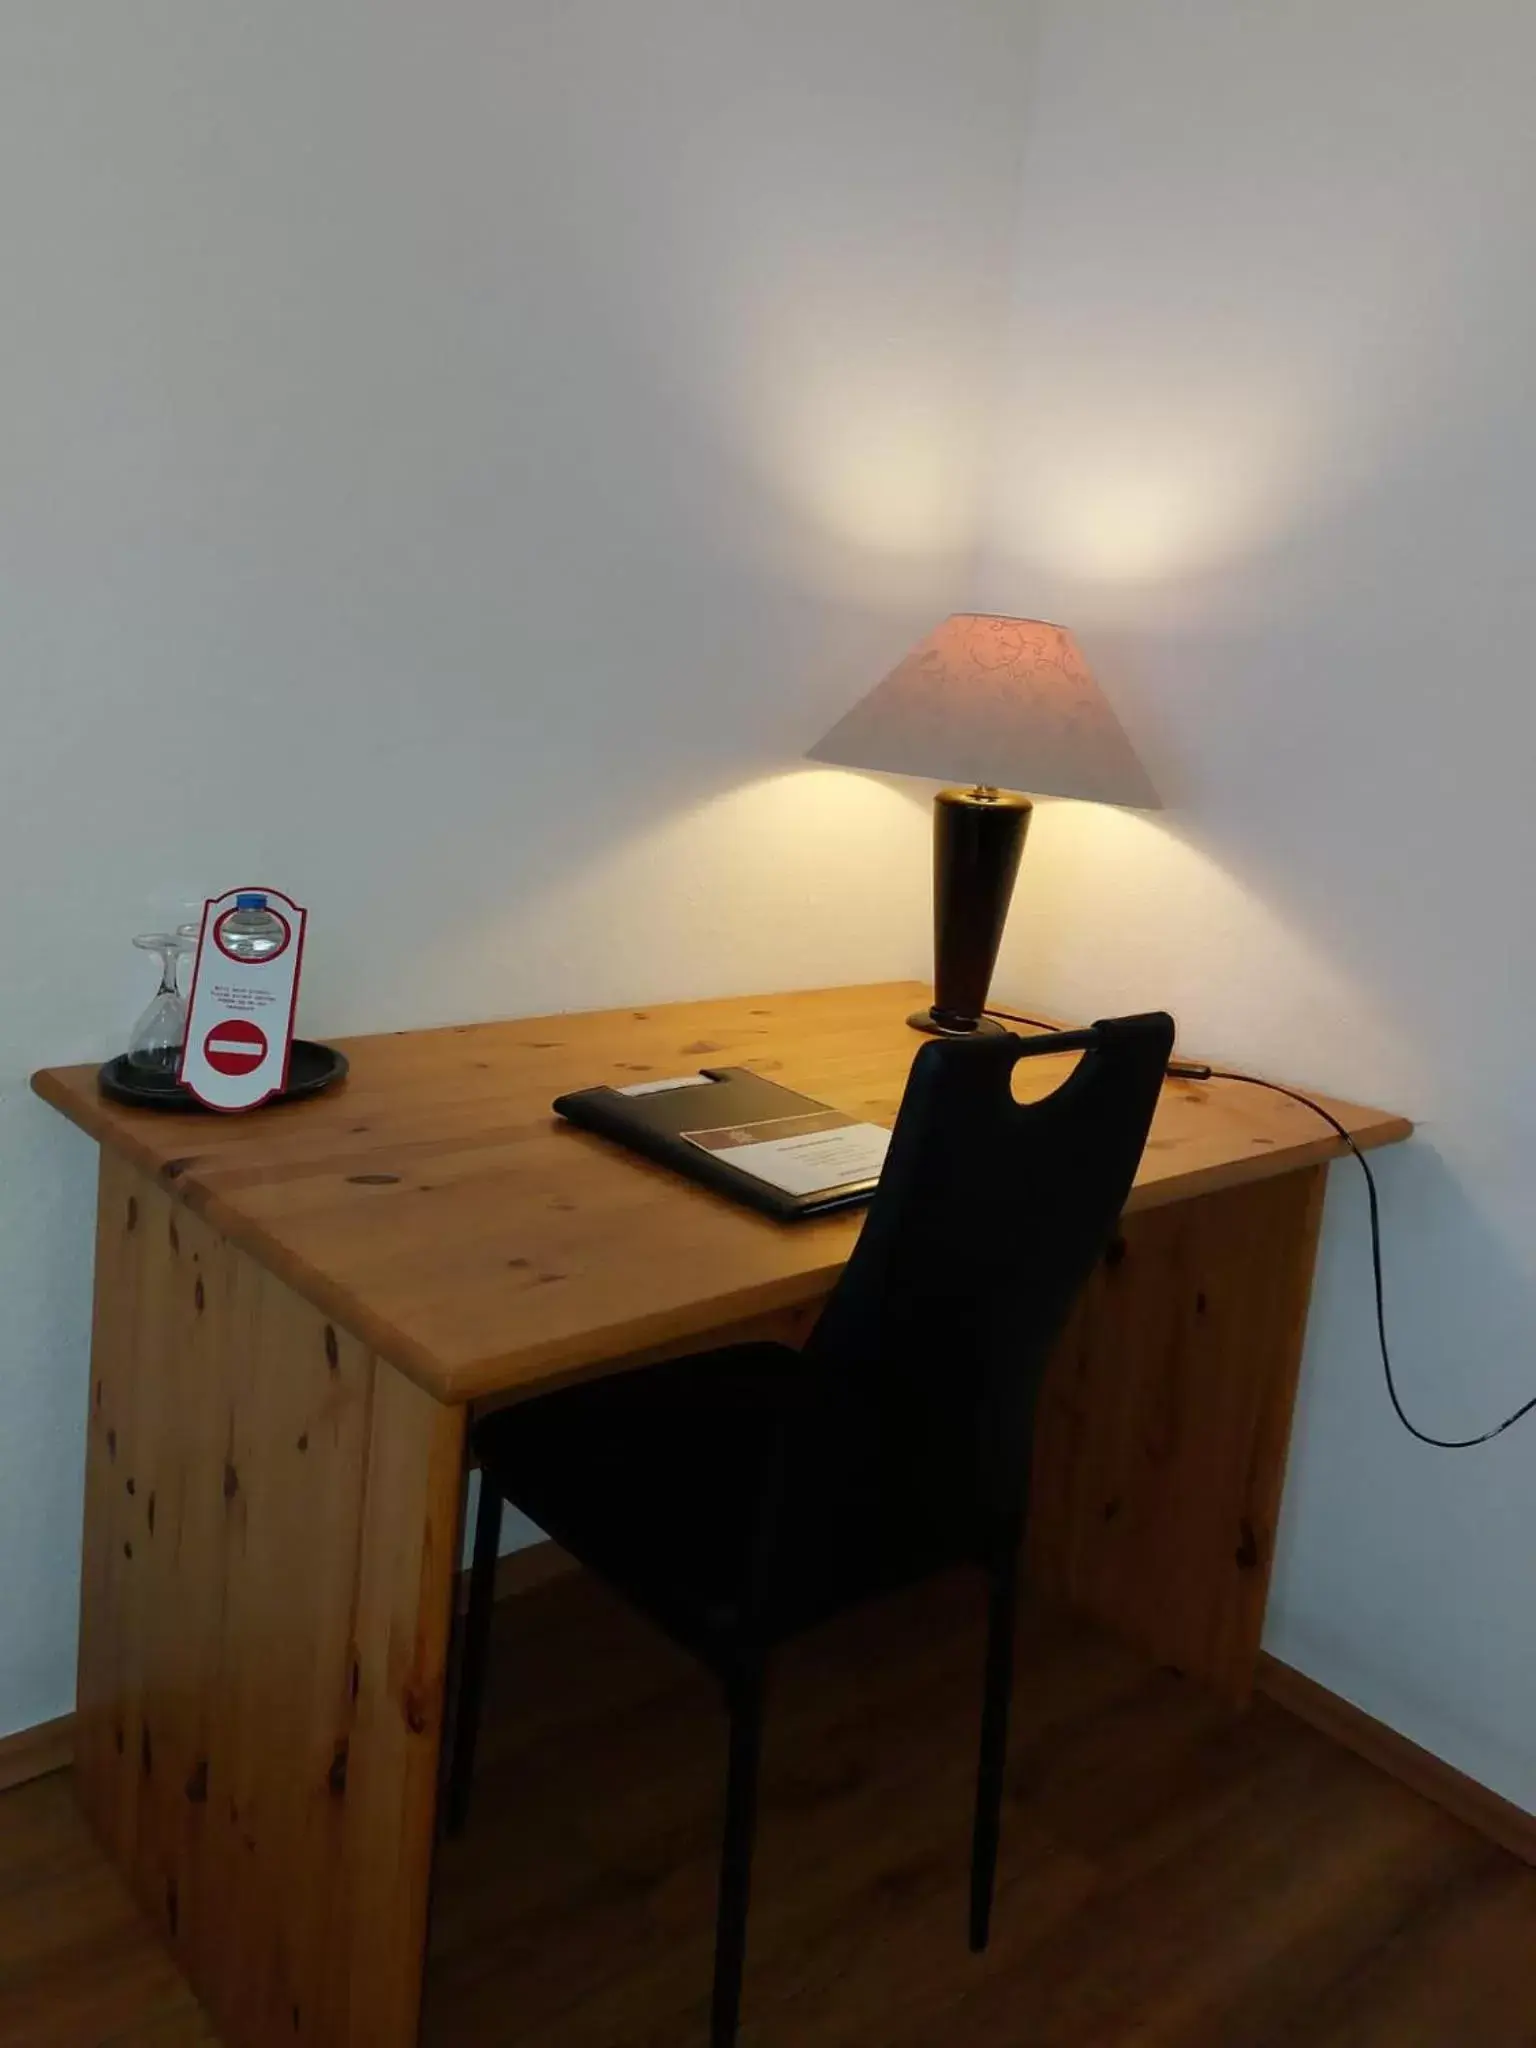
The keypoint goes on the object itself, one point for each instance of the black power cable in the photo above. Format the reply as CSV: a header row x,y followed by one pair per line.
x,y
1013,1017
1188,1070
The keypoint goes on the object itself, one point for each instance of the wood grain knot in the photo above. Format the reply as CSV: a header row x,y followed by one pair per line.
x,y
416,1716
357,1678
1202,1305
133,1212
149,1513
701,1045
173,1169
175,1236
231,1480
119,1741
336,1776
1247,1554
199,1298
197,1782
1112,1509
128,1552
112,1444
146,1751
172,1905
303,1444
131,1487
372,1180
519,1265
332,1348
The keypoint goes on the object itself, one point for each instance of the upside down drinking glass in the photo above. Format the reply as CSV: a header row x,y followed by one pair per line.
x,y
154,1050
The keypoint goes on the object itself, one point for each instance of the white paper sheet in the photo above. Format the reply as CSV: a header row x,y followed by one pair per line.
x,y
665,1087
801,1161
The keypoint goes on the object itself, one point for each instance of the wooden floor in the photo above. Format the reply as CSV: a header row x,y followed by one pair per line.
x,y
1170,1879
78,1967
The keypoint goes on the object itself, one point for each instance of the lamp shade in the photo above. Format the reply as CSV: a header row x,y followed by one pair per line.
x,y
1005,703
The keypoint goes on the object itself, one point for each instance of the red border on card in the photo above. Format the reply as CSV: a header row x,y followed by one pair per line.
x,y
286,923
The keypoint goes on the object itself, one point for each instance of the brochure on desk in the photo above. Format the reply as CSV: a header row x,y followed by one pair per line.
x,y
743,1135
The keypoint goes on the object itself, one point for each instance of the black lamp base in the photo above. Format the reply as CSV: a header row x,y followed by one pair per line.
x,y
978,837
940,1027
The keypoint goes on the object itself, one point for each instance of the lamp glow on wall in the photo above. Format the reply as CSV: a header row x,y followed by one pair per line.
x,y
999,705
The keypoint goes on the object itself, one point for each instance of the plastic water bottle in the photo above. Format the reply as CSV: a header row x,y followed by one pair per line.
x,y
250,931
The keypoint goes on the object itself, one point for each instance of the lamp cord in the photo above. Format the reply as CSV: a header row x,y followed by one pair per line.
x,y
1188,1070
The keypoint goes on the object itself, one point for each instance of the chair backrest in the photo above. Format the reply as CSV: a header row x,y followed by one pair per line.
x,y
989,1218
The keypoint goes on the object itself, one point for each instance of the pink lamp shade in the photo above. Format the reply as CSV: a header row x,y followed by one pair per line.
x,y
1003,703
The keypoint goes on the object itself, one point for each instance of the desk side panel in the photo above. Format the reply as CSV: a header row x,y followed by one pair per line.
x,y
1165,1423
263,1534
409,1565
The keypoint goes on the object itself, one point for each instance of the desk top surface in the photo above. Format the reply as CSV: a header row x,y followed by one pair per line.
x,y
436,1208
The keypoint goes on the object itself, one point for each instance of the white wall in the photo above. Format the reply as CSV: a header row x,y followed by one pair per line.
x,y
1271,448
453,459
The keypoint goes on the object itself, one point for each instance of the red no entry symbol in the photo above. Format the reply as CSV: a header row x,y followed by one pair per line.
x,y
238,1047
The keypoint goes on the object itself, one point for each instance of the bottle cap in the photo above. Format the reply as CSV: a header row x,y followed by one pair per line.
x,y
248,899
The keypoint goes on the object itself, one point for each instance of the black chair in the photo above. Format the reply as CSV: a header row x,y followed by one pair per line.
x,y
743,1495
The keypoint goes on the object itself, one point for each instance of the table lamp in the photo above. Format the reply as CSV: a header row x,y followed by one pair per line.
x,y
998,704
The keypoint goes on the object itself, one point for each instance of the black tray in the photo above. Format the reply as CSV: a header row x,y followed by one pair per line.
x,y
311,1068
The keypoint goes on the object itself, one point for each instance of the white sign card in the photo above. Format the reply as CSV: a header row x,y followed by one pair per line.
x,y
245,990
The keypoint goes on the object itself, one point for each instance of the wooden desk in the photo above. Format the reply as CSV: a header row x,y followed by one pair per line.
x,y
296,1313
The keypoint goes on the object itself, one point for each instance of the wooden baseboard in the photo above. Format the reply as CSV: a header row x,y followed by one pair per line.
x,y
523,1571
1352,1728
34,1752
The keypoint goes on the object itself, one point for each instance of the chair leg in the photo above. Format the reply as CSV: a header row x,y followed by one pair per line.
x,y
994,1739
744,1700
477,1643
